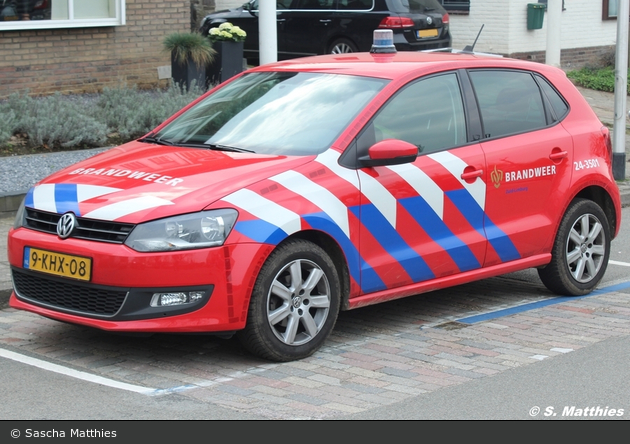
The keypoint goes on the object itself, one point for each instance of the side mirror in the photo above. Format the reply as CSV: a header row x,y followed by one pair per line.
x,y
389,152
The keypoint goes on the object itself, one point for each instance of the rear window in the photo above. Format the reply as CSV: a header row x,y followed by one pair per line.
x,y
416,6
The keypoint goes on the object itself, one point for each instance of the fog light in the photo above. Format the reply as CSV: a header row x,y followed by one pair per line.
x,y
175,298
195,296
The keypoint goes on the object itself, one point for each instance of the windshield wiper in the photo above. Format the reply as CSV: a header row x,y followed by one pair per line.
x,y
212,146
156,140
219,147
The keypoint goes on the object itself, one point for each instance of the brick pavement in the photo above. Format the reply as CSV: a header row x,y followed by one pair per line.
x,y
376,356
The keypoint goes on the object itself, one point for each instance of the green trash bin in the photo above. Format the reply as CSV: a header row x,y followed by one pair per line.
x,y
535,15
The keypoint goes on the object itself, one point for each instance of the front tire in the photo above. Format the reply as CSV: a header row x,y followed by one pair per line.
x,y
580,252
294,303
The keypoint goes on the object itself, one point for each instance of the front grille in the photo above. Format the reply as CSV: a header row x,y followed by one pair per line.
x,y
90,229
67,295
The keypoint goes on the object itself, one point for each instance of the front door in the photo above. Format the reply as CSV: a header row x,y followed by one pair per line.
x,y
422,220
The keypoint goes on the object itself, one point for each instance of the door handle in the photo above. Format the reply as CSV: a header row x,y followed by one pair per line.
x,y
558,155
471,173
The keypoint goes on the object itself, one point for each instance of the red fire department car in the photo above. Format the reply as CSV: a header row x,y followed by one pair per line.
x,y
301,188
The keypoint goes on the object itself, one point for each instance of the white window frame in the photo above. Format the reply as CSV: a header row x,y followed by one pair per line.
x,y
119,20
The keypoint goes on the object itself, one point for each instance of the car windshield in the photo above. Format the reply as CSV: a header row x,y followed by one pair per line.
x,y
274,113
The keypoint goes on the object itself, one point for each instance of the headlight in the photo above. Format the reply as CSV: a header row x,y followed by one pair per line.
x,y
185,232
19,216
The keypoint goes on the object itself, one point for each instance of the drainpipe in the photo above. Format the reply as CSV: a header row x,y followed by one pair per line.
x,y
621,92
554,28
267,32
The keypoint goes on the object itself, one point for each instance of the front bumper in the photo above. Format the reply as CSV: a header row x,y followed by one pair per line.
x,y
118,297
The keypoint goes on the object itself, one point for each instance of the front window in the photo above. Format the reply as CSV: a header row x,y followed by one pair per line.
x,y
47,14
285,113
428,114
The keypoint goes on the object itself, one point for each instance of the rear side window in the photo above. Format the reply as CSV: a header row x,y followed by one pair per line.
x,y
313,4
510,102
360,5
558,105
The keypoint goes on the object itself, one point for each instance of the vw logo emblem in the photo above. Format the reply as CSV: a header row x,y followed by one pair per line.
x,y
66,225
429,20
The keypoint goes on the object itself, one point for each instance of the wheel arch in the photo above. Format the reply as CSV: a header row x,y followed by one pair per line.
x,y
329,244
207,24
601,197
336,37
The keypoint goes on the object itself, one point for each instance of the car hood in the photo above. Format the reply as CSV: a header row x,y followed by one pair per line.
x,y
226,13
137,181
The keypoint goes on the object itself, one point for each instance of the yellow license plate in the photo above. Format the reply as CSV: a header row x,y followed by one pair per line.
x,y
424,33
59,264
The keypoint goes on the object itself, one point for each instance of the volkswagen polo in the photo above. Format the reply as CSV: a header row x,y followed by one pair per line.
x,y
301,188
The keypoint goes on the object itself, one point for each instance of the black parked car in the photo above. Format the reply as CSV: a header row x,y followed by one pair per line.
x,y
310,27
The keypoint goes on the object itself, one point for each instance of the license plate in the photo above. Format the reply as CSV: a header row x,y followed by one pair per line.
x,y
424,33
59,264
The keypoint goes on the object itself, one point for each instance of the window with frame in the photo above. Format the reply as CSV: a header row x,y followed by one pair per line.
x,y
610,9
456,5
510,102
409,117
47,14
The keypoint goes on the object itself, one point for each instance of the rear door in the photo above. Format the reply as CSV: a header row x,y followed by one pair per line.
x,y
529,157
305,28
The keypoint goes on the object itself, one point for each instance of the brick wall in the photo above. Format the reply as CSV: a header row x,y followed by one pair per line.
x,y
88,59
574,58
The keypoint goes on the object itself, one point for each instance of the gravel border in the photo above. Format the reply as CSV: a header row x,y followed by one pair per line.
x,y
19,173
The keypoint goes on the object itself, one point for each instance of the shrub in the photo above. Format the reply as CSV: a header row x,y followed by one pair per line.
x,y
53,121
599,79
60,122
132,113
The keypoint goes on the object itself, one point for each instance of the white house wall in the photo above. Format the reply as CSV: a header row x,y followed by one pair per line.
x,y
505,26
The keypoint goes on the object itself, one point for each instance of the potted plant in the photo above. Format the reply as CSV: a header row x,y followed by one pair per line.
x,y
191,54
227,39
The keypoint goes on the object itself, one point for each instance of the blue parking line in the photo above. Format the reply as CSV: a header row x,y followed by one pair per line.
x,y
539,304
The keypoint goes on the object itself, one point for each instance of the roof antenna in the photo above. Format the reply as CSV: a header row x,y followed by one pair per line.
x,y
469,48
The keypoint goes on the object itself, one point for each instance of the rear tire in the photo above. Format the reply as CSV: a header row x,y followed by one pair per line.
x,y
342,46
294,303
580,252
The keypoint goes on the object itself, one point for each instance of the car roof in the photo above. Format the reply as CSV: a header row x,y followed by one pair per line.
x,y
400,64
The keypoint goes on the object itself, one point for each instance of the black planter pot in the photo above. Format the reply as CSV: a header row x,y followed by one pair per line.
x,y
187,74
228,61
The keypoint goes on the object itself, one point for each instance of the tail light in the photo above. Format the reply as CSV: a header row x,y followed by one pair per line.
x,y
396,23
445,19
607,140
